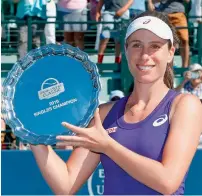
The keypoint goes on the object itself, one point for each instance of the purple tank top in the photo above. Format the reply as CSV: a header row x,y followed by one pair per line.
x,y
146,138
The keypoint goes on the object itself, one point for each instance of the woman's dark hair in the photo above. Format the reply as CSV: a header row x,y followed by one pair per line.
x,y
169,75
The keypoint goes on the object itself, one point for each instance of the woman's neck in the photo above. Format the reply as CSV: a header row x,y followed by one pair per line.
x,y
143,94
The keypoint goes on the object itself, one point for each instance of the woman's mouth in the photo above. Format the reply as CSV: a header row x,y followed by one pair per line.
x,y
145,67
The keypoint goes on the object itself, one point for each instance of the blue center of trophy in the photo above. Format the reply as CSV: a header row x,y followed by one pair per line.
x,y
54,89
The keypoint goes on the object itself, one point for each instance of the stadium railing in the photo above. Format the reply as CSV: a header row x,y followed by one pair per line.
x,y
120,73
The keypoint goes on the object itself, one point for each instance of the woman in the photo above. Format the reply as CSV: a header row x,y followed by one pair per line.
x,y
145,141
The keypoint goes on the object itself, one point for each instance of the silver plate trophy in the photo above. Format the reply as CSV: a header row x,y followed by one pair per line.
x,y
51,84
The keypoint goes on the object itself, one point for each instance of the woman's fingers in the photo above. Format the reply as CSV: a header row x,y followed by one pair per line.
x,y
63,144
73,128
97,118
69,138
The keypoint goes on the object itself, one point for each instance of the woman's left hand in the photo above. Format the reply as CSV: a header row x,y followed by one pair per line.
x,y
94,138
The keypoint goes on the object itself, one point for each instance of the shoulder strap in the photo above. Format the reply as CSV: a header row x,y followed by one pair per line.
x,y
113,111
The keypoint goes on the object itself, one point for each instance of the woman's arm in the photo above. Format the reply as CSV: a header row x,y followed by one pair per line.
x,y
166,176
67,178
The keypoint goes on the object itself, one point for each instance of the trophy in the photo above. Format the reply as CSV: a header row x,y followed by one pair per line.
x,y
50,85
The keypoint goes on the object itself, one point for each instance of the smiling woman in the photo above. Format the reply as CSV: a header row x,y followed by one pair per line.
x,y
156,130
156,39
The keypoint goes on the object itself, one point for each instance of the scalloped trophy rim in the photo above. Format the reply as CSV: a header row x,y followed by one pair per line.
x,y
9,84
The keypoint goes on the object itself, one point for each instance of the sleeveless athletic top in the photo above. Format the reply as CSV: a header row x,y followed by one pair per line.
x,y
146,138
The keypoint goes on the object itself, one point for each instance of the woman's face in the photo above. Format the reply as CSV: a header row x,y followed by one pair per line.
x,y
148,56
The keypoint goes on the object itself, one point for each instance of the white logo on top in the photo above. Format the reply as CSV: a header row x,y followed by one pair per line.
x,y
147,21
50,88
161,120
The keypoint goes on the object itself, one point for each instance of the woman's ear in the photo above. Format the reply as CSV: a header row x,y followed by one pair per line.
x,y
171,54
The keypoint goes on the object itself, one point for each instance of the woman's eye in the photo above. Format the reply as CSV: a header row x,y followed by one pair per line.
x,y
136,45
156,47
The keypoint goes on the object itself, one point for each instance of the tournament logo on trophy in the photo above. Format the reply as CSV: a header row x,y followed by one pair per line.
x,y
50,88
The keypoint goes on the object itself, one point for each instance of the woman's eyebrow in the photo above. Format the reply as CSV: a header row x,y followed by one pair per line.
x,y
156,42
135,41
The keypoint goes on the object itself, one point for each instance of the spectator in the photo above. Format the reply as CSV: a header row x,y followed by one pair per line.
x,y
114,11
50,27
3,133
13,141
176,13
93,8
9,141
137,8
192,83
195,17
116,95
3,34
196,10
24,146
93,5
36,10
3,125
74,11
3,145
153,5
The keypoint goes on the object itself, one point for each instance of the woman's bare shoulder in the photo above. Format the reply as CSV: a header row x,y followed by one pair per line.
x,y
187,101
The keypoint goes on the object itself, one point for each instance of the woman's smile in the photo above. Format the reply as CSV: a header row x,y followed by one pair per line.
x,y
145,68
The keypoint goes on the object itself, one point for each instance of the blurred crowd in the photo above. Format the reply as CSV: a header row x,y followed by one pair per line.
x,y
76,13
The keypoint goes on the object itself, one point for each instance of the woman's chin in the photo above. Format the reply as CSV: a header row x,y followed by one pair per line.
x,y
145,80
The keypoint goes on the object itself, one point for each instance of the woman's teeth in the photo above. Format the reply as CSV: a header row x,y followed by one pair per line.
x,y
145,67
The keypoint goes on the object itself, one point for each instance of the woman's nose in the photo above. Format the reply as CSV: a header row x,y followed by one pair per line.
x,y
144,57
